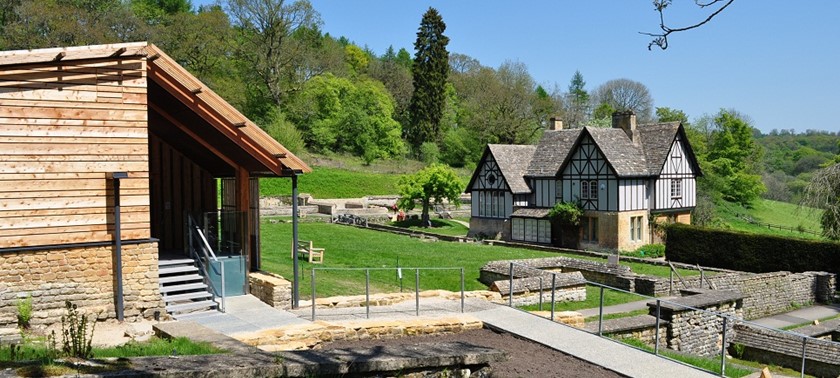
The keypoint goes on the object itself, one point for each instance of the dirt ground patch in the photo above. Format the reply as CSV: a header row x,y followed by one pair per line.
x,y
525,358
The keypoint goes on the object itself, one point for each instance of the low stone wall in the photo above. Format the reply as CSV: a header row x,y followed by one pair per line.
x,y
773,293
641,327
694,331
386,299
83,276
272,289
822,358
527,290
591,270
309,335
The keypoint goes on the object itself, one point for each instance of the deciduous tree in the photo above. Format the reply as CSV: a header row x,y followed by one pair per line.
x,y
823,192
625,94
430,69
431,185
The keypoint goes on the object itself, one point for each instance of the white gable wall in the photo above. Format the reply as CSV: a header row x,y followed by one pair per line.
x,y
676,168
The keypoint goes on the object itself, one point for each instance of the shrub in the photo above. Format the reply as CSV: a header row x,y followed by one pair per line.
x,y
24,311
648,251
749,252
566,213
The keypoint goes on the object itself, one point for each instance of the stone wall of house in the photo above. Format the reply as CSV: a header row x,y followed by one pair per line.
x,y
83,276
624,242
272,289
492,228
697,332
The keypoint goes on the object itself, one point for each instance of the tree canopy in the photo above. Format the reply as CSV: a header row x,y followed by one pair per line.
x,y
431,185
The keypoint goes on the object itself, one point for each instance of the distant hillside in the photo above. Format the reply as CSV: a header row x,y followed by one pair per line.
x,y
774,213
790,159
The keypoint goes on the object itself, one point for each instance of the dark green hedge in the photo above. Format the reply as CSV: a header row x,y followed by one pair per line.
x,y
748,252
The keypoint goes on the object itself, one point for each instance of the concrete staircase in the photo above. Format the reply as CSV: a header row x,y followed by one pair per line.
x,y
183,288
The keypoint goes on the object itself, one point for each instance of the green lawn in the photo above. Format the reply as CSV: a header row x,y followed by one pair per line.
x,y
350,247
775,213
706,363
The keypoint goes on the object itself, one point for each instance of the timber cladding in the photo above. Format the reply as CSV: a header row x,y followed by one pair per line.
x,y
64,127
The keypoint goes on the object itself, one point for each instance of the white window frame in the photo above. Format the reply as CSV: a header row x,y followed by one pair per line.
x,y
676,188
593,189
584,189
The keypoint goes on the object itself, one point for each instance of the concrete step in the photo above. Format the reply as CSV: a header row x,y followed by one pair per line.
x,y
166,263
177,269
180,278
185,297
191,306
184,287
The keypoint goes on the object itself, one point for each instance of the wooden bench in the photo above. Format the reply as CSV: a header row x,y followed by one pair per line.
x,y
314,255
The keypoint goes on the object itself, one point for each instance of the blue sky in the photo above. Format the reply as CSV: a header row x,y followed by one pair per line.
x,y
774,60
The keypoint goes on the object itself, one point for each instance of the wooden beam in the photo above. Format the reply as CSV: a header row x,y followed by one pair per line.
x,y
119,52
193,135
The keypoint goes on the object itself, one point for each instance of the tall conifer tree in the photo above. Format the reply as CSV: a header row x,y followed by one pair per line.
x,y
430,71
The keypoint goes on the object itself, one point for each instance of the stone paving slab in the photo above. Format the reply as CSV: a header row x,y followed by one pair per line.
x,y
607,353
244,313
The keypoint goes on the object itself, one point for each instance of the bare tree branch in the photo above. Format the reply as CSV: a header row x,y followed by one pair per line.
x,y
661,39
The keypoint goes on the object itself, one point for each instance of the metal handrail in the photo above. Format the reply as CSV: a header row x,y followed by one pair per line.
x,y
398,270
726,317
205,248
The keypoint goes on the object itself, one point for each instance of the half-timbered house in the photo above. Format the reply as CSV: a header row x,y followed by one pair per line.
x,y
119,171
626,178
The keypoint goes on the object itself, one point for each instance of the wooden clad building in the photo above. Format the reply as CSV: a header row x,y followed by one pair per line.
x,y
75,122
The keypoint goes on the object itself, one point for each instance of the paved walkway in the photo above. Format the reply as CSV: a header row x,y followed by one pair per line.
x,y
244,314
800,316
600,351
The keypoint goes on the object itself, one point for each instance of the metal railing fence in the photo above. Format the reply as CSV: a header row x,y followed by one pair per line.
x,y
398,271
727,321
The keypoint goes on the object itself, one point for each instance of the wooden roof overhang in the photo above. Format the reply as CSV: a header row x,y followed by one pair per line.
x,y
221,116
232,137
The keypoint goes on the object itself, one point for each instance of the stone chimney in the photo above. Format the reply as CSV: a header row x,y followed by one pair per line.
x,y
555,124
626,120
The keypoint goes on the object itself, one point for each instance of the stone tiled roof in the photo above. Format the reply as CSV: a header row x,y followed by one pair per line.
x,y
624,156
531,213
551,152
513,161
656,143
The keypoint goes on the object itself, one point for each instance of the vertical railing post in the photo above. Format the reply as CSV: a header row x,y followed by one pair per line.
x,y
295,266
510,292
417,291
656,334
671,282
541,293
723,349
601,312
312,278
222,274
802,371
367,293
553,285
462,290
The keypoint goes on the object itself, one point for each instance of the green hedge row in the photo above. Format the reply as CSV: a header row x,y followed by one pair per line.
x,y
748,252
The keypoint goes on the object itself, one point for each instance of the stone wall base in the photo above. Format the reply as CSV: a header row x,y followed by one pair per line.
x,y
272,289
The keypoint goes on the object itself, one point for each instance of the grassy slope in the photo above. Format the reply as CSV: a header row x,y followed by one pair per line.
x,y
348,177
348,247
773,212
